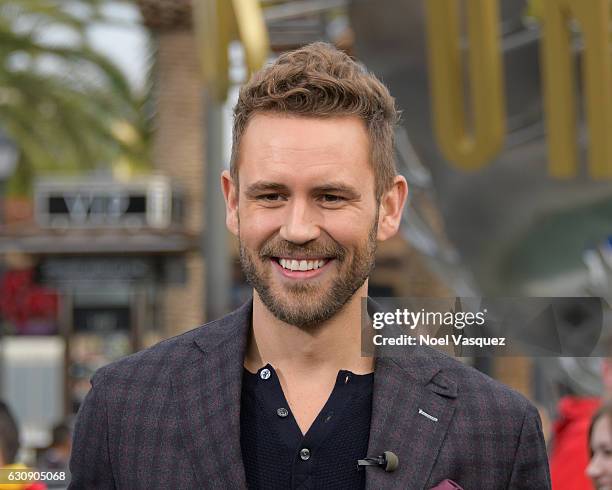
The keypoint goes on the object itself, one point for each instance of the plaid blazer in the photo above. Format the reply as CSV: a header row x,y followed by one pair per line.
x,y
168,417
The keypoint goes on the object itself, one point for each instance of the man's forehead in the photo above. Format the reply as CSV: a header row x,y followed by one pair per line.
x,y
277,144
304,133
271,174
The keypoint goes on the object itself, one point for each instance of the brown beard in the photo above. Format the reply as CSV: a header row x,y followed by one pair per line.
x,y
307,310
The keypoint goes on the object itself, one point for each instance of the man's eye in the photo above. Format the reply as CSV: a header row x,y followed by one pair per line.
x,y
332,198
270,197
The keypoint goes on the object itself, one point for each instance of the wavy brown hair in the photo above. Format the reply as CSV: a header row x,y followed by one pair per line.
x,y
319,80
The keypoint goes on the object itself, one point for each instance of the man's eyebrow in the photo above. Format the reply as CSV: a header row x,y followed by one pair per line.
x,y
337,187
265,186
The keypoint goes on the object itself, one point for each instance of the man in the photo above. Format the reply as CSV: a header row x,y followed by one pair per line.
x,y
277,394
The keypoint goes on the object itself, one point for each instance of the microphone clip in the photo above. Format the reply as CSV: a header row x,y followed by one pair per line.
x,y
387,460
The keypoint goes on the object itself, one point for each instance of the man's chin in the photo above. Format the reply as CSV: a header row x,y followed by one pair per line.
x,y
298,307
305,310
306,320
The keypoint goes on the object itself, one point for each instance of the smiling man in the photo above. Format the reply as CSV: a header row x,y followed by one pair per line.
x,y
277,395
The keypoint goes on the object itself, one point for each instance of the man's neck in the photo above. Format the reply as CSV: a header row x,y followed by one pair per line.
x,y
322,349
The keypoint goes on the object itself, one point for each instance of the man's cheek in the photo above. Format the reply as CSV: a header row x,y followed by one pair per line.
x,y
347,223
260,228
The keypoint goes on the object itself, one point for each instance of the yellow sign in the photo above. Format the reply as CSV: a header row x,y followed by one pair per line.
x,y
470,150
560,101
217,23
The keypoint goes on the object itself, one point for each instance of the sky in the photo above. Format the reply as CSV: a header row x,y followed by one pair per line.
x,y
125,44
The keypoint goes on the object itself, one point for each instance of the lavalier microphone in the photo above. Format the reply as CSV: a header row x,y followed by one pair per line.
x,y
388,461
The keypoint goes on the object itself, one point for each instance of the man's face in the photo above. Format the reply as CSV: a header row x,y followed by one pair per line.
x,y
307,216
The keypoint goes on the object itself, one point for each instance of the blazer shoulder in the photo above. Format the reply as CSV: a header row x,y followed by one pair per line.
x,y
159,357
177,351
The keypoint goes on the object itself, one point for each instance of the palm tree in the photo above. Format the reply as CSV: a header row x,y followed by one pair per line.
x,y
66,106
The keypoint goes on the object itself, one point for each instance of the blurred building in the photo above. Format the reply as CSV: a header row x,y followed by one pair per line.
x,y
88,278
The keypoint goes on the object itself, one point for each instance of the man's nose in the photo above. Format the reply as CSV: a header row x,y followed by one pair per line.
x,y
300,224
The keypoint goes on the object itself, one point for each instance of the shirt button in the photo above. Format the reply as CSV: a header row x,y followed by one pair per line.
x,y
282,412
305,454
264,374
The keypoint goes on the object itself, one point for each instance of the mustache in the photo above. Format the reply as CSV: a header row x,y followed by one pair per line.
x,y
283,248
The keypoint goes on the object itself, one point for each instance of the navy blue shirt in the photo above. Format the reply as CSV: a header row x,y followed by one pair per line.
x,y
277,455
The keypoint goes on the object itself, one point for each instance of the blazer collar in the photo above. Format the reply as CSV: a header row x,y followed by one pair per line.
x,y
409,393
207,386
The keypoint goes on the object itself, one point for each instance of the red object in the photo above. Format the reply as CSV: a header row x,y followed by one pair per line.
x,y
22,300
447,485
36,486
570,451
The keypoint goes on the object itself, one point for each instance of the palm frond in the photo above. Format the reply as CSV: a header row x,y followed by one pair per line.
x,y
60,102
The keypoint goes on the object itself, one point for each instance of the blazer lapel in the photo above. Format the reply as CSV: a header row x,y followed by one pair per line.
x,y
207,388
412,407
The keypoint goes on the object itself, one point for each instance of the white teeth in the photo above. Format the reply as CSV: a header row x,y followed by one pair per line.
x,y
301,265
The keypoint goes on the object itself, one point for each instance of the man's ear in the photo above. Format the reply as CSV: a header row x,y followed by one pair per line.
x,y
391,208
230,194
